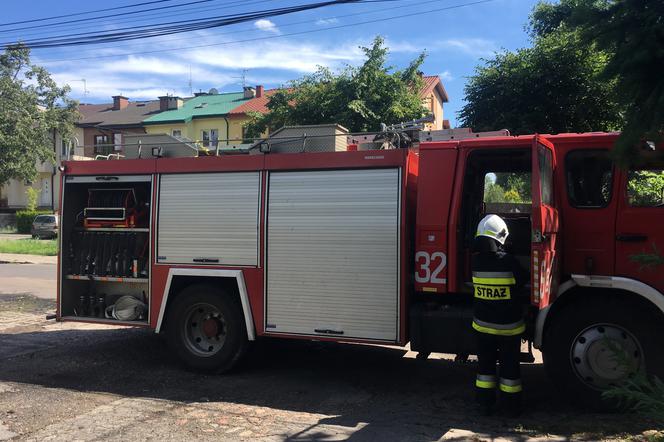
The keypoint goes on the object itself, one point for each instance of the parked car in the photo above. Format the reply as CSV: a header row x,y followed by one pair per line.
x,y
45,226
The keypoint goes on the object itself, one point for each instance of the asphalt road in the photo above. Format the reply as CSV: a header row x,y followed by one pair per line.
x,y
61,382
71,381
36,279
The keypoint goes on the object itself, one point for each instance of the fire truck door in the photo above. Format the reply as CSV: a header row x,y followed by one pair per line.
x,y
639,234
544,221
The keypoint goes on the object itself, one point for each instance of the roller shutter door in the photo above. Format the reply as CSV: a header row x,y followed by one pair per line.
x,y
333,253
209,218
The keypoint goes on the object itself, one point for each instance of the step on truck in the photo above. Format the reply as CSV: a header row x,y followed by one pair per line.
x,y
373,246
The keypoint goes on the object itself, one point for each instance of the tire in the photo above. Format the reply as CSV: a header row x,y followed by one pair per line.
x,y
206,329
579,358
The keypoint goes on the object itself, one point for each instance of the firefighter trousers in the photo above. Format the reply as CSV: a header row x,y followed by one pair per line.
x,y
506,351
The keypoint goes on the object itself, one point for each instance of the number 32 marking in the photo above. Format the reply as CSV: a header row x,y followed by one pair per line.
x,y
423,272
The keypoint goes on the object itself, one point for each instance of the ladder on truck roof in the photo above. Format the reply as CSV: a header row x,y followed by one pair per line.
x,y
461,133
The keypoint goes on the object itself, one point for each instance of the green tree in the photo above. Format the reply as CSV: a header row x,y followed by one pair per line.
x,y
32,195
359,98
645,187
631,33
554,86
32,107
518,185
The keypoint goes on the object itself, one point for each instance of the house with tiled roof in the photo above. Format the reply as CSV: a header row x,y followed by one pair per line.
x,y
433,96
212,119
101,126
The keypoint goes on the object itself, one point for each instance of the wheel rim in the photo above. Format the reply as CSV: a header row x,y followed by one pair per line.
x,y
603,355
204,329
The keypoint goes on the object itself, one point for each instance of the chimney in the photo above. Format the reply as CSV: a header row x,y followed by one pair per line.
x,y
259,91
249,92
168,102
120,102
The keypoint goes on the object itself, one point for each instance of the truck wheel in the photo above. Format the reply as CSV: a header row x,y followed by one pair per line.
x,y
596,344
206,328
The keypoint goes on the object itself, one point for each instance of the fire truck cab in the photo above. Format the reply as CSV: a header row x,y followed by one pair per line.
x,y
373,246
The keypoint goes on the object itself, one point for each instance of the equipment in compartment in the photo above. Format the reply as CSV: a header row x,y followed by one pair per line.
x,y
127,308
108,254
104,306
110,207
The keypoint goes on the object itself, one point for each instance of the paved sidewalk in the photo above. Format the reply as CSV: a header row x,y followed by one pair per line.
x,y
27,259
15,236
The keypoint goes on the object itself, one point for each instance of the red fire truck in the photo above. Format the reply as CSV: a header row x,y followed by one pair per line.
x,y
372,246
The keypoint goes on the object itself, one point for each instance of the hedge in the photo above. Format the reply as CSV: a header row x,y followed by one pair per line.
x,y
24,219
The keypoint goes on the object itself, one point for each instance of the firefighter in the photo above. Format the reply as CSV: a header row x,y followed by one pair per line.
x,y
498,317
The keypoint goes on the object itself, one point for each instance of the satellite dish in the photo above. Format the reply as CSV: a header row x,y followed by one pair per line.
x,y
213,91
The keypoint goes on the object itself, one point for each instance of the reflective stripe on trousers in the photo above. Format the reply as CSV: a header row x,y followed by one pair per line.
x,y
513,329
485,381
510,385
494,278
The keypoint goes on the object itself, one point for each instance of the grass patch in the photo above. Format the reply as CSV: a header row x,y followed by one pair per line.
x,y
47,247
8,229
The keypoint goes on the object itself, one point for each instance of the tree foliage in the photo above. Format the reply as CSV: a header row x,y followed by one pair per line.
x,y
594,65
631,33
507,188
554,86
359,98
645,187
32,107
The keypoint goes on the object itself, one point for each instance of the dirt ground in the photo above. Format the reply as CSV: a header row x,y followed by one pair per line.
x,y
64,382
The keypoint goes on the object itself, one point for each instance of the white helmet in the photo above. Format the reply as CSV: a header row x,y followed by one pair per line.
x,y
493,226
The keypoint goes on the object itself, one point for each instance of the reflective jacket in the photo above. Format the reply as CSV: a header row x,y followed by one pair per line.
x,y
497,307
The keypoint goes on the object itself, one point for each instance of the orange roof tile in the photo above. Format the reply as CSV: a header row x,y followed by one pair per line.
x,y
258,104
432,82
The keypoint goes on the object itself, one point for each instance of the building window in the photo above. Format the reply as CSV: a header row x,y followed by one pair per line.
x,y
177,133
210,137
645,187
102,145
589,176
63,148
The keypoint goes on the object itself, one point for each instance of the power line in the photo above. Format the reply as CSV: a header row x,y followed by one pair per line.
x,y
285,25
119,14
92,25
462,5
83,13
151,16
179,26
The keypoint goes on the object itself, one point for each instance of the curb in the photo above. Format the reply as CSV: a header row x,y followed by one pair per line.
x,y
15,258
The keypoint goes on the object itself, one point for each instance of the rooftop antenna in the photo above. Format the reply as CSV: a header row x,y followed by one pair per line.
x,y
243,77
191,89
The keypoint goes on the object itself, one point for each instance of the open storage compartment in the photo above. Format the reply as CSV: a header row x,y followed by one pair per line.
x,y
105,253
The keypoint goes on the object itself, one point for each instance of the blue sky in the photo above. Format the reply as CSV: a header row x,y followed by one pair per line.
x,y
455,40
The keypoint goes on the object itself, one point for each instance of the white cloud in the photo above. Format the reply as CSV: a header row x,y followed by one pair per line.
x,y
446,76
267,26
326,21
285,54
270,62
476,47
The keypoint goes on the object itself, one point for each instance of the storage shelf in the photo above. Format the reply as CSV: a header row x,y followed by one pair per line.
x,y
93,320
113,229
107,278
